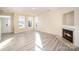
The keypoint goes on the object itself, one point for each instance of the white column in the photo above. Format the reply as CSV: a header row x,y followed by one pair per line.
x,y
76,24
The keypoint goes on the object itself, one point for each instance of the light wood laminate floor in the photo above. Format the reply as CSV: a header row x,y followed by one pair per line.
x,y
33,41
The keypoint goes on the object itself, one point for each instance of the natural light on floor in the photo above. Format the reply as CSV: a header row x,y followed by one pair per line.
x,y
38,42
4,43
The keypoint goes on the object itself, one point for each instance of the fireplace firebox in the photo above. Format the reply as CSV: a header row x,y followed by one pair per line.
x,y
68,34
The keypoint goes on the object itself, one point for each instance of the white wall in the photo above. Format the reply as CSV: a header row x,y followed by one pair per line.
x,y
52,22
0,29
68,19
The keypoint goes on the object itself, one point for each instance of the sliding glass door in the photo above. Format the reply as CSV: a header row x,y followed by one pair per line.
x,y
30,22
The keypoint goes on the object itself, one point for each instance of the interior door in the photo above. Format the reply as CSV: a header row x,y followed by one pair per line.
x,y
5,24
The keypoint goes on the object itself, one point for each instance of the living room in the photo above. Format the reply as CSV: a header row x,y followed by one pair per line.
x,y
59,23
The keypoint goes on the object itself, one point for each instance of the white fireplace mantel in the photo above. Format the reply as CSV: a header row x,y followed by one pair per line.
x,y
75,33
69,27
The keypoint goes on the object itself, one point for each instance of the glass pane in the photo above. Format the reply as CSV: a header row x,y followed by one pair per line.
x,y
30,20
21,21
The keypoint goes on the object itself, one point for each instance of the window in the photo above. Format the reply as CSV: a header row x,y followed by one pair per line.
x,y
30,21
21,21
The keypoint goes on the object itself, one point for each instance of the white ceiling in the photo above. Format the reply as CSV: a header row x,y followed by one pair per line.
x,y
28,10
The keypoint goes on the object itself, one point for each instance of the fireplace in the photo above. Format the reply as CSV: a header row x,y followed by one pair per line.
x,y
68,34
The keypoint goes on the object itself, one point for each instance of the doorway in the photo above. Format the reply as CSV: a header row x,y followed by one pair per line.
x,y
5,24
36,23
30,23
6,27
33,22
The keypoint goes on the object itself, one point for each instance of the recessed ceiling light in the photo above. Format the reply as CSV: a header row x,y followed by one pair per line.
x,y
33,8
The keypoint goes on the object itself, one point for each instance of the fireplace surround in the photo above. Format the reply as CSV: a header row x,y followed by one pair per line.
x,y
68,34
